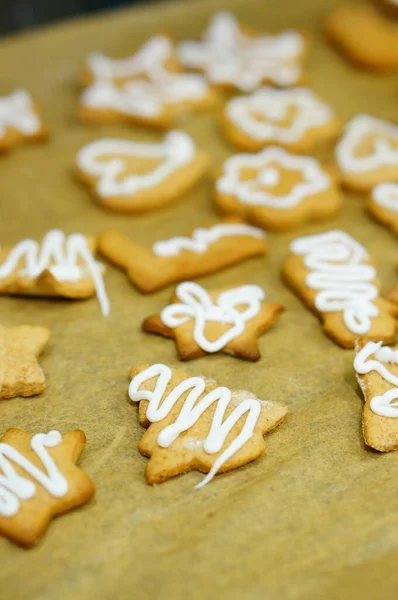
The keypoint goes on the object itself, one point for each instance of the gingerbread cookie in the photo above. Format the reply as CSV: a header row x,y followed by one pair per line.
x,y
234,57
61,266
20,372
335,277
148,88
383,205
211,429
364,35
207,321
20,120
131,176
206,250
376,368
393,296
367,154
294,119
39,480
276,190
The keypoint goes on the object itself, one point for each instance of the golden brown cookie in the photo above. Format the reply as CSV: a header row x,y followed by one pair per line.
x,y
39,480
393,296
207,321
334,276
367,154
148,88
376,368
276,190
383,205
20,120
193,424
60,266
20,372
235,57
294,119
364,35
131,176
205,250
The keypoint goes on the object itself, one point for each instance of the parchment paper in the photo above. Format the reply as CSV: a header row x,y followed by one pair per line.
x,y
316,518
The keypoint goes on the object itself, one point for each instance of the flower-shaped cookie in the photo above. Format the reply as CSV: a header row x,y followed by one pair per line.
x,y
132,176
276,190
367,154
147,88
383,204
294,119
230,57
19,120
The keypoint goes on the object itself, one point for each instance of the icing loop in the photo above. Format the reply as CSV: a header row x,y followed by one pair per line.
x,y
197,304
202,238
385,405
363,129
176,150
338,269
17,111
161,404
268,164
261,115
386,195
59,254
14,487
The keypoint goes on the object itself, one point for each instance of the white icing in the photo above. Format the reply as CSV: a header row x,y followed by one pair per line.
x,y
195,303
358,130
175,151
58,254
228,56
160,405
267,163
339,271
385,405
17,111
14,487
202,238
260,115
386,195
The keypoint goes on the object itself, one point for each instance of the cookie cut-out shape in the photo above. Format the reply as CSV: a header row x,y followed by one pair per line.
x,y
131,176
276,190
207,321
335,277
376,368
294,119
383,205
39,480
204,251
232,57
60,266
147,88
19,120
393,296
367,154
194,424
20,372
364,35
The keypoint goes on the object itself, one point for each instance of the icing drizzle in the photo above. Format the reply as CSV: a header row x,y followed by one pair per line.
x,y
386,195
385,405
195,303
267,164
358,130
14,487
161,404
17,111
176,150
344,280
260,114
202,238
59,255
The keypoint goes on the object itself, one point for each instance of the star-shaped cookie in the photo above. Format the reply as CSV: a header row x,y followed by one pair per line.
x,y
39,480
20,373
207,321
20,120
